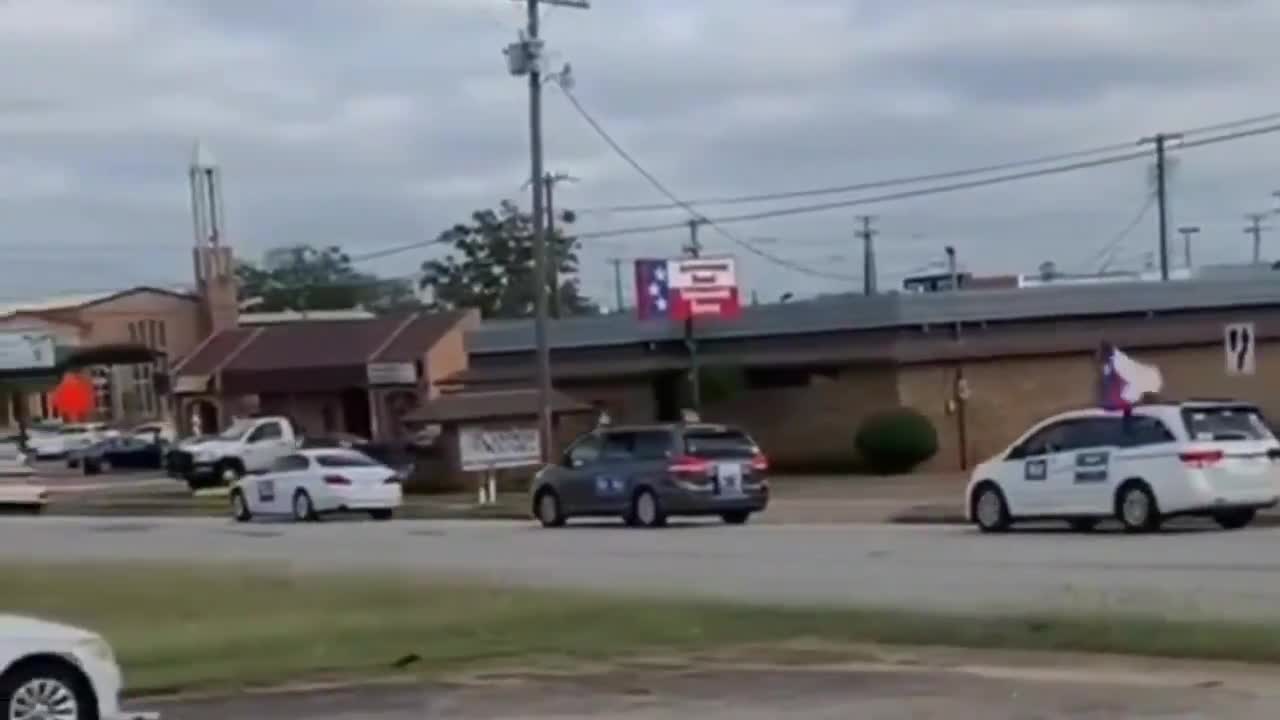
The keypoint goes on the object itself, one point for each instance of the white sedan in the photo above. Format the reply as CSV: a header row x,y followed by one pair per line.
x,y
310,483
58,672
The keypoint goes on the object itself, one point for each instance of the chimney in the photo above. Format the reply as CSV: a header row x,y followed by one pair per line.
x,y
215,270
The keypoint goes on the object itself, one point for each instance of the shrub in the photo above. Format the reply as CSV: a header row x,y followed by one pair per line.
x,y
896,441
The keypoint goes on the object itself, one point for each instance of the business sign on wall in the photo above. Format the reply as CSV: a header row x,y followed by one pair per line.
x,y
403,373
687,288
27,351
497,448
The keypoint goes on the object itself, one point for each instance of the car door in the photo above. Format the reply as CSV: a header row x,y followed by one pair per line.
x,y
606,481
1089,456
1033,471
575,469
263,446
270,492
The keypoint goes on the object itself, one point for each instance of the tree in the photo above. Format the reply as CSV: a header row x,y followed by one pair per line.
x,y
309,278
490,266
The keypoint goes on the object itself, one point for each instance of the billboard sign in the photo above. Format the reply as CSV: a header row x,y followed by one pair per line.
x,y
687,288
496,448
27,351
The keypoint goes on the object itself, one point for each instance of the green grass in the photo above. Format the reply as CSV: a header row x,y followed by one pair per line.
x,y
222,627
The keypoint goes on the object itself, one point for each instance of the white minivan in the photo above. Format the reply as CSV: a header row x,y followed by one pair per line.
x,y
1216,459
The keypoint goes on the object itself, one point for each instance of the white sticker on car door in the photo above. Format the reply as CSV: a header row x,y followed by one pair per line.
x,y
266,491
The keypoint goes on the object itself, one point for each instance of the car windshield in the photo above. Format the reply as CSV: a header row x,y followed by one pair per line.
x,y
336,460
718,444
1226,423
237,430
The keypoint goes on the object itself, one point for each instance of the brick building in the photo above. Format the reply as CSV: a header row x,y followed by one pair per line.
x,y
806,373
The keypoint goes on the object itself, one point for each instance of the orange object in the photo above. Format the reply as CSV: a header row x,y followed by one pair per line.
x,y
74,397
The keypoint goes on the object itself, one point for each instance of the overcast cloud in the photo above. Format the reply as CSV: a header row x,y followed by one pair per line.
x,y
374,123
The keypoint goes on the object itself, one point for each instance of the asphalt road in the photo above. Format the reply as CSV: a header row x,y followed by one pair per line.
x,y
766,694
1204,573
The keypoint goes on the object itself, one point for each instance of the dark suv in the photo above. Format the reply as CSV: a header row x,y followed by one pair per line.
x,y
646,474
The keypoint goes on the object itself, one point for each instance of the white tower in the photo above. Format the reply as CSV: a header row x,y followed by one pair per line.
x,y
214,264
206,197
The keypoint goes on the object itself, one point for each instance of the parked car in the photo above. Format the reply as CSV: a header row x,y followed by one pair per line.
x,y
310,483
49,670
248,445
646,474
143,448
14,462
1201,458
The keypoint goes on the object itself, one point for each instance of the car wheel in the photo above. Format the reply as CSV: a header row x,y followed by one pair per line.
x,y
646,510
1084,525
1234,519
737,517
548,510
990,511
50,689
228,473
240,507
382,514
1137,509
303,509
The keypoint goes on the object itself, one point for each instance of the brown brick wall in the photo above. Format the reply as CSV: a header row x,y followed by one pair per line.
x,y
812,426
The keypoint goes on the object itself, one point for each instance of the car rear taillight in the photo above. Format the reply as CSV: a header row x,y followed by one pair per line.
x,y
336,480
686,465
759,463
1201,458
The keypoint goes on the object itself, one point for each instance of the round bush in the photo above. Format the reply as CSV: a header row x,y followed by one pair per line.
x,y
896,441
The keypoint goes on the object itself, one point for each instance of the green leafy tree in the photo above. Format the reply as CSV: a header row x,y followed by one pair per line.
x,y
490,266
309,278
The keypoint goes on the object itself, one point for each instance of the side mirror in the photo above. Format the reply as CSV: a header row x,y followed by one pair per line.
x,y
573,462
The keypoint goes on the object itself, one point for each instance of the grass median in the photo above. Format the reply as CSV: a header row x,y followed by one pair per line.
x,y
219,627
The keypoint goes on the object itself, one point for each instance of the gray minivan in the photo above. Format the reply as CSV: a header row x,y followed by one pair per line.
x,y
646,474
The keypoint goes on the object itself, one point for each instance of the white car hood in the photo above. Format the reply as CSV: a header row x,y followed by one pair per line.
x,y
21,626
216,447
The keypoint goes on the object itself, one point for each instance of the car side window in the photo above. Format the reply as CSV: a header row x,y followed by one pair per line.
x,y
1048,440
618,447
290,463
653,445
584,452
1093,433
1141,430
268,431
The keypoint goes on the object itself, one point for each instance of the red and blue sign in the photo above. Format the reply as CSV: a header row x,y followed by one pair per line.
x,y
687,288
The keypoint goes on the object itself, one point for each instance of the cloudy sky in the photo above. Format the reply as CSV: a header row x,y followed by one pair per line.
x,y
376,123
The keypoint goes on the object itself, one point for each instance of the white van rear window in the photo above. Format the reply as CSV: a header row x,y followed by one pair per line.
x,y
1226,424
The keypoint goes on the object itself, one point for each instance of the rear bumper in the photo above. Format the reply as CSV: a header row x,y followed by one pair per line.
x,y
384,497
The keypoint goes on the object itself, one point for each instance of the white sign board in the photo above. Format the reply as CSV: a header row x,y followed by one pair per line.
x,y
392,374
493,449
26,350
703,273
1239,342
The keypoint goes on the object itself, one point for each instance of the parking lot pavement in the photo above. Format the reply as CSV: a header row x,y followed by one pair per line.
x,y
813,694
1199,574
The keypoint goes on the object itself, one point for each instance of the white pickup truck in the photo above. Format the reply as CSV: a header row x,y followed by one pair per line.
x,y
248,445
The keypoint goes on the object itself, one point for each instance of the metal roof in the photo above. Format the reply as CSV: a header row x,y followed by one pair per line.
x,y
857,312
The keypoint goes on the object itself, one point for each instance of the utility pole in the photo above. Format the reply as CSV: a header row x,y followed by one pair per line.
x,y
525,58
617,281
549,181
1160,139
868,255
694,250
1187,231
1255,229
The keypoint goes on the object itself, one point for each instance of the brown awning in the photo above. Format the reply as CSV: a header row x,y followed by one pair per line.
x,y
491,405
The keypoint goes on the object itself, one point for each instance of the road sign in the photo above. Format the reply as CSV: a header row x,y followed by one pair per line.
x,y
496,448
1239,342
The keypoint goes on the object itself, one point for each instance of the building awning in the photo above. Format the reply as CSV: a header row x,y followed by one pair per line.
x,y
491,405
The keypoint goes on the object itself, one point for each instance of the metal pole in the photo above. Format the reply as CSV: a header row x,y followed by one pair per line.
x,y
617,282
868,256
553,268
695,380
1160,139
1255,229
539,240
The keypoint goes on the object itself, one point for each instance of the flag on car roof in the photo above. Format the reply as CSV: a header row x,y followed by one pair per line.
x,y
1124,381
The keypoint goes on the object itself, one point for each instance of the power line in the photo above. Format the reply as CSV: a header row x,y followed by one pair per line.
x,y
697,216
917,179
1106,255
935,190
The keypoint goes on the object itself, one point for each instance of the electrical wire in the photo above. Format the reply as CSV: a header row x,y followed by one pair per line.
x,y
918,179
1106,254
697,216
